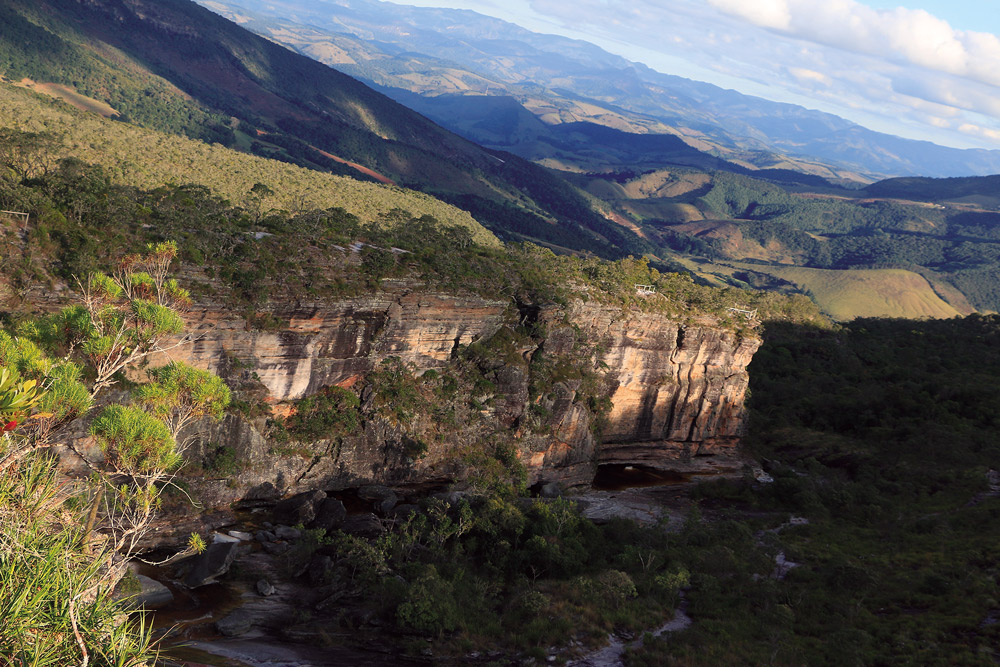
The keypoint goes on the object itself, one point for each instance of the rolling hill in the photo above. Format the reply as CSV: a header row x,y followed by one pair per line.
x,y
175,69
148,159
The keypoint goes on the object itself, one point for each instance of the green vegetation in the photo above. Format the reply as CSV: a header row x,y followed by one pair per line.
x,y
329,413
67,539
179,393
34,45
141,158
851,293
309,254
278,104
55,598
783,233
492,572
881,434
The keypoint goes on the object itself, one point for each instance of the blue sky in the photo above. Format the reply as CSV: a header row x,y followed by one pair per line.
x,y
923,69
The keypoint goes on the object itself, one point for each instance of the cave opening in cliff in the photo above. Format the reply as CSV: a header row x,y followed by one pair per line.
x,y
618,476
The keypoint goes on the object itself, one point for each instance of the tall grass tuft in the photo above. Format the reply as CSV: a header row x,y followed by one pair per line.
x,y
55,599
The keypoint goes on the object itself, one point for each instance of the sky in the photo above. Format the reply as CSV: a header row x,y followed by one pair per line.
x,y
922,69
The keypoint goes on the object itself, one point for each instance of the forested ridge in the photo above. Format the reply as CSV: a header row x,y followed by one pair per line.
x,y
179,68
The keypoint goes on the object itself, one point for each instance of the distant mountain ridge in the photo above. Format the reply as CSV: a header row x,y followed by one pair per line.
x,y
627,184
734,126
207,72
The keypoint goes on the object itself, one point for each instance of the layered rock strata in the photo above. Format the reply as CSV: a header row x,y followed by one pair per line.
x,y
322,344
676,391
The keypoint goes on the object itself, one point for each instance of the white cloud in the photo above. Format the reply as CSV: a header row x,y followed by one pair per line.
x,y
948,91
892,70
976,130
809,76
907,36
765,13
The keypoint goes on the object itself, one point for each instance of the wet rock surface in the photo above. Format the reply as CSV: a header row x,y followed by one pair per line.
x,y
235,624
207,567
151,595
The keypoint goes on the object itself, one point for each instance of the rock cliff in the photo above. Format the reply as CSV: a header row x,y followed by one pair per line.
x,y
589,384
319,344
676,390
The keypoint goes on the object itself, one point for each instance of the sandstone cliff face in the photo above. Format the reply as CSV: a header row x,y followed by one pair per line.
x,y
336,343
676,391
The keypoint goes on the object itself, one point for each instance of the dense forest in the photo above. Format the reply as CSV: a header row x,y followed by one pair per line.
x,y
877,432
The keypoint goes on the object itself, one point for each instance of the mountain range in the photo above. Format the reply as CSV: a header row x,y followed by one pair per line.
x,y
589,177
451,56
177,67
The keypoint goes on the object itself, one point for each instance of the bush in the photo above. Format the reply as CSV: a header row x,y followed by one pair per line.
x,y
133,440
430,605
329,413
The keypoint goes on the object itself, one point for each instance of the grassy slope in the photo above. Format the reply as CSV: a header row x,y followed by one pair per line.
x,y
848,240
876,293
278,103
147,159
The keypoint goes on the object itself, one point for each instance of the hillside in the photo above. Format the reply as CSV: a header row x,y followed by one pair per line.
x,y
844,248
501,108
148,159
618,192
437,52
276,103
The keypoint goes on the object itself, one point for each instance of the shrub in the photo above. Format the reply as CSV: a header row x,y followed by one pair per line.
x,y
430,605
133,440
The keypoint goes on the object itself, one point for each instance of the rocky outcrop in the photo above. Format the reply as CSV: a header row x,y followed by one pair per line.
x,y
324,343
676,389
671,393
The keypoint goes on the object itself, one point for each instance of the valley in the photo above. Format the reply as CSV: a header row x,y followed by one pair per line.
x,y
509,352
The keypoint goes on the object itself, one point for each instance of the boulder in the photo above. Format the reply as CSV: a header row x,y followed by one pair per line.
x,y
330,513
235,624
211,564
219,537
287,533
299,509
151,595
363,525
276,548
265,588
403,512
385,506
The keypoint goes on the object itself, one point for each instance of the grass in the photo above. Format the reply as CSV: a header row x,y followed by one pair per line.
x,y
848,294
69,95
53,607
148,159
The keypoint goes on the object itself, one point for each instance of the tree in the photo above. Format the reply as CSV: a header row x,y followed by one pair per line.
x,y
28,155
55,579
126,315
179,394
